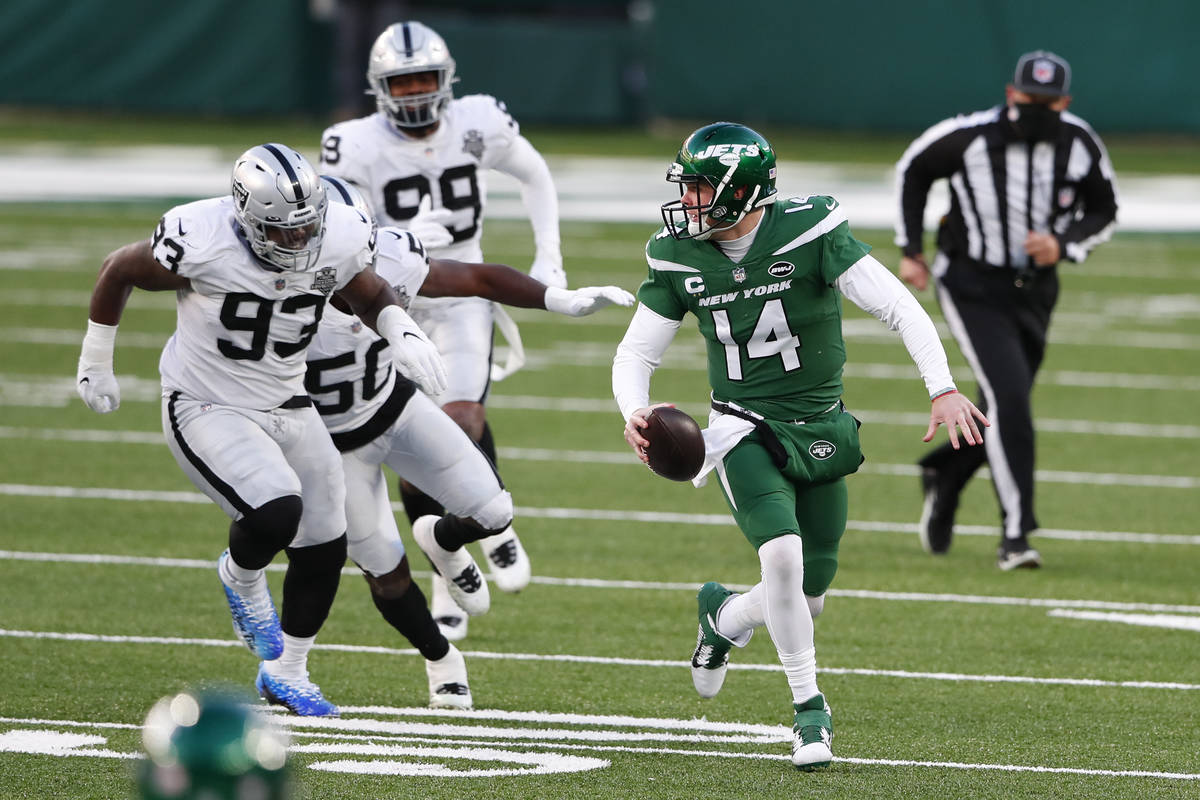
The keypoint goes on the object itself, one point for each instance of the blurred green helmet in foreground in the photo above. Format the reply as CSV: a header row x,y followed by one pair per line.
x,y
211,745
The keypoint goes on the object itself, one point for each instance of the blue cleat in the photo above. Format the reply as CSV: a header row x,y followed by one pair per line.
x,y
254,619
299,695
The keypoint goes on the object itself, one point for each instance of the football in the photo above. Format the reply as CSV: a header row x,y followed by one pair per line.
x,y
676,448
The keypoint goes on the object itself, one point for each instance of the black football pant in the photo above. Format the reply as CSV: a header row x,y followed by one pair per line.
x,y
999,316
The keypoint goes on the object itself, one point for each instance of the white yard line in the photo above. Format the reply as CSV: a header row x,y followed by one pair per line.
x,y
611,515
674,586
865,330
384,743
564,658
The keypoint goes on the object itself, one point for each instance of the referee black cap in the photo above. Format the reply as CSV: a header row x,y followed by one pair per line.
x,y
1042,72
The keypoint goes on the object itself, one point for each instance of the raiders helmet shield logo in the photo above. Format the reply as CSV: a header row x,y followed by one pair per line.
x,y
473,144
240,195
821,450
325,280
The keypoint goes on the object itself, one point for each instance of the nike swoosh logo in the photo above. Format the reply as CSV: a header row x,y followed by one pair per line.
x,y
415,336
180,224
84,380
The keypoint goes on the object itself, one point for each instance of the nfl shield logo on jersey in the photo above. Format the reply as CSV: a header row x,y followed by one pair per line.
x,y
402,298
325,280
473,144
739,274
280,284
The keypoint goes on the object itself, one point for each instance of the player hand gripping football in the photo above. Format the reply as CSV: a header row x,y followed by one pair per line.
x,y
633,427
94,378
589,299
958,413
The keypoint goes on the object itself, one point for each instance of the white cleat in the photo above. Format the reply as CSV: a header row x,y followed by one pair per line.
x,y
507,562
464,581
450,619
448,681
812,734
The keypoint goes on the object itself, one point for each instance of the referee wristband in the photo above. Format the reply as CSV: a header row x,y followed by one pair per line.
x,y
943,393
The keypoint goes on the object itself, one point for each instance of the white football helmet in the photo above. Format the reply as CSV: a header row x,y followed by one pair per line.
x,y
339,190
403,49
280,205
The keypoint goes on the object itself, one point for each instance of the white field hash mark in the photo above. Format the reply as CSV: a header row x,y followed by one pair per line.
x,y
489,655
417,748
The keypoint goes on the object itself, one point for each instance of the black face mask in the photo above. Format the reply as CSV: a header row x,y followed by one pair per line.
x,y
1035,122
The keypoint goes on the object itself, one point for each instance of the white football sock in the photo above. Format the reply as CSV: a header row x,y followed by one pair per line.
x,y
294,661
232,573
740,615
801,671
786,612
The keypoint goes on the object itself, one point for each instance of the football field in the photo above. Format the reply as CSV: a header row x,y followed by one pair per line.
x,y
947,677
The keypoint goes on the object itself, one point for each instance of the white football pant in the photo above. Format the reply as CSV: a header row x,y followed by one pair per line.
x,y
430,451
242,459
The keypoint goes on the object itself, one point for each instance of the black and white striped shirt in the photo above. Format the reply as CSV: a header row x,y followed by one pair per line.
x,y
1002,187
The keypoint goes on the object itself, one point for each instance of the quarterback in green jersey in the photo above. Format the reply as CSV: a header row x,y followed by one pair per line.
x,y
764,277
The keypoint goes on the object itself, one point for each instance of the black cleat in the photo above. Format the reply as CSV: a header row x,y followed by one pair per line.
x,y
1016,553
937,516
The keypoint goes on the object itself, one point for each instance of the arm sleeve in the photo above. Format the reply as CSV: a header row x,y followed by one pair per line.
x,y
1098,193
638,355
873,288
934,154
526,164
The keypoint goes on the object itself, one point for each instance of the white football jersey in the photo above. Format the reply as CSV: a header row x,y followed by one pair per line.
x,y
450,166
243,326
349,365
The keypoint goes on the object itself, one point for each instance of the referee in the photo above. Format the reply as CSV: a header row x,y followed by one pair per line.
x,y
1030,185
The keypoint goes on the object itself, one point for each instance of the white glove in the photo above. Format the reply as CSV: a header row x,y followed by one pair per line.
x,y
430,226
94,379
549,270
414,355
581,302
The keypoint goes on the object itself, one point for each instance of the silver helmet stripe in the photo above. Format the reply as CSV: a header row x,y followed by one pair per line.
x,y
291,173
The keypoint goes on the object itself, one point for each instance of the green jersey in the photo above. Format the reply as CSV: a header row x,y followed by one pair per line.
x,y
773,322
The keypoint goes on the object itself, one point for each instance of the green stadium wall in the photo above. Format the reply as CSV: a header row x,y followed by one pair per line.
x,y
856,64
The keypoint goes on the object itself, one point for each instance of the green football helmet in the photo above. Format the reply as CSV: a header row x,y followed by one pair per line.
x,y
730,158
211,745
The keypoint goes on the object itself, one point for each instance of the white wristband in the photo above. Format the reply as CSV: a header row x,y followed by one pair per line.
x,y
391,323
98,344
558,300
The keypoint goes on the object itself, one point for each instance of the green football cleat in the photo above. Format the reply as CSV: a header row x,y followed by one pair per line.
x,y
812,734
710,660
